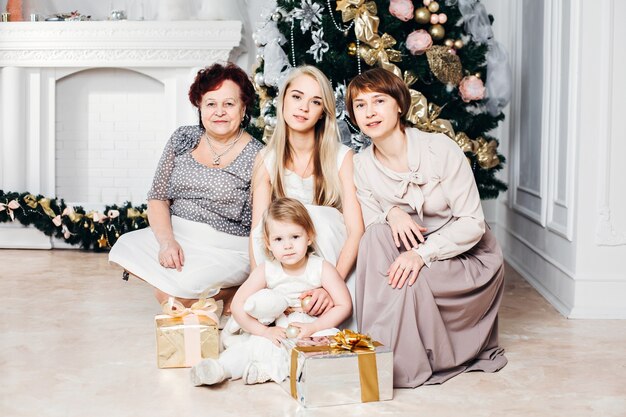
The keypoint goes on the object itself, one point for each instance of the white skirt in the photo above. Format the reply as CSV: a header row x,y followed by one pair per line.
x,y
213,259
331,236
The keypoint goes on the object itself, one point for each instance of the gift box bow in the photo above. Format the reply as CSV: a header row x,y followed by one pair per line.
x,y
205,306
347,341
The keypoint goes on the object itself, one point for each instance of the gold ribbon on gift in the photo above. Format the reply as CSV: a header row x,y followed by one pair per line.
x,y
346,341
379,51
364,15
425,115
205,306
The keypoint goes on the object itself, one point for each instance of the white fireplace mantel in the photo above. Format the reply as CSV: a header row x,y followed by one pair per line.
x,y
35,56
117,43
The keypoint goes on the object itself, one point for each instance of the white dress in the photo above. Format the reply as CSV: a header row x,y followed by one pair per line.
x,y
328,221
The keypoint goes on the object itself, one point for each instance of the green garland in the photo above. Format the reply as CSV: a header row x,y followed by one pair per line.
x,y
91,230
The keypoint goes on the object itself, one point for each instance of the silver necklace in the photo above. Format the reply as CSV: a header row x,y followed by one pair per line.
x,y
217,156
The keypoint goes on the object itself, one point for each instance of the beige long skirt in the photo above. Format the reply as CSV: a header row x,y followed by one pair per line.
x,y
213,259
446,323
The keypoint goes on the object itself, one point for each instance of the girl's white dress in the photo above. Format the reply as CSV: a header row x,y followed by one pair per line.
x,y
328,221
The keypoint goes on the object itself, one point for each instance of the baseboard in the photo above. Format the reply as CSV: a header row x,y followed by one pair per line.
x,y
17,236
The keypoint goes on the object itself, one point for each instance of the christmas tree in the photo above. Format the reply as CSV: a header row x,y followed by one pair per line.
x,y
445,52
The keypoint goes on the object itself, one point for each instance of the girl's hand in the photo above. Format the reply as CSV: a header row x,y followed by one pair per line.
x,y
404,228
407,265
274,334
171,255
320,302
306,329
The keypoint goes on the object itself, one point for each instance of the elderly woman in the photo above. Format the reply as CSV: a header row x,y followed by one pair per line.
x,y
199,204
429,273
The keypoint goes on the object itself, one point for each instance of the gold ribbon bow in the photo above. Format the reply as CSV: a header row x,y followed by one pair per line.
x,y
486,153
364,15
205,306
30,201
465,143
425,115
352,341
133,213
45,205
379,51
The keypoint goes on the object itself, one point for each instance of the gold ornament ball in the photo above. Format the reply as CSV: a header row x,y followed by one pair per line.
x,y
437,32
449,43
292,332
352,48
305,301
458,44
422,15
433,7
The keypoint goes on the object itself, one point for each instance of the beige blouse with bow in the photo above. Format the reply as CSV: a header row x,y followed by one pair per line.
x,y
439,191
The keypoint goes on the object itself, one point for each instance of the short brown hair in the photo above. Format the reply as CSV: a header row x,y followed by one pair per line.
x,y
288,210
381,81
211,78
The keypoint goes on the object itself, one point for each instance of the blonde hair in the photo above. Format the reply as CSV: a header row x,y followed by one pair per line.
x,y
288,210
327,188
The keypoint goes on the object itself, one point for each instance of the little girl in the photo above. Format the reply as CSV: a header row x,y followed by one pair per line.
x,y
289,236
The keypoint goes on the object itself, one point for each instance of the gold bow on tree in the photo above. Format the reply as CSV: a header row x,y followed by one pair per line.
x,y
425,115
364,15
379,51
487,154
486,151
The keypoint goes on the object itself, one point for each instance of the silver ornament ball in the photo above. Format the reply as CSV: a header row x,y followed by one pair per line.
x,y
276,16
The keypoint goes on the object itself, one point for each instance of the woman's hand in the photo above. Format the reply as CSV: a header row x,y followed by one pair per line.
x,y
171,255
408,264
275,334
404,228
306,329
320,302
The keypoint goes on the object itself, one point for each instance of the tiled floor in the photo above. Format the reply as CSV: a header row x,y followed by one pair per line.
x,y
75,340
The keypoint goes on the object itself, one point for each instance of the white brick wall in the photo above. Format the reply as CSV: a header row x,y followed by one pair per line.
x,y
109,135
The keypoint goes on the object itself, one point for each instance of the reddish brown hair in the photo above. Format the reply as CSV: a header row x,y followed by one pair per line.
x,y
381,81
211,78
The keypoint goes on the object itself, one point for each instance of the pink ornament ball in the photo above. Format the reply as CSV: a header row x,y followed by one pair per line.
x,y
434,19
418,42
471,88
401,9
443,18
452,51
426,2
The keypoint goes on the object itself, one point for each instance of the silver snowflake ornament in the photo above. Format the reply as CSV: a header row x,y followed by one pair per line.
x,y
309,14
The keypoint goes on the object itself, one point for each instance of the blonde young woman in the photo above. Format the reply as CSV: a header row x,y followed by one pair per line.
x,y
305,160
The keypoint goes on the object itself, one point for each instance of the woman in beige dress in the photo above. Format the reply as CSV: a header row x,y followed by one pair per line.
x,y
430,273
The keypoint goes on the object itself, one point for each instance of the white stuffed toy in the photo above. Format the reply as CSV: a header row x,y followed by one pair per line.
x,y
266,305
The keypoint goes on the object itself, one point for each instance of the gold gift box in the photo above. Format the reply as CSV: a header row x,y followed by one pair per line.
x,y
184,341
324,377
